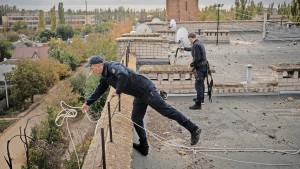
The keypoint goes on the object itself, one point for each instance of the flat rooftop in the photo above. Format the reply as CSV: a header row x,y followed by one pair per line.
x,y
246,122
254,122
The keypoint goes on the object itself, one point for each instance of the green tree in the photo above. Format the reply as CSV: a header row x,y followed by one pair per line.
x,y
270,10
61,14
103,27
34,77
47,144
237,9
96,107
86,29
53,18
19,25
5,49
27,81
41,24
260,8
46,35
78,84
64,32
65,57
293,8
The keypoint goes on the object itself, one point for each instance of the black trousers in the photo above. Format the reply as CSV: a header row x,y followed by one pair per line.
x,y
150,96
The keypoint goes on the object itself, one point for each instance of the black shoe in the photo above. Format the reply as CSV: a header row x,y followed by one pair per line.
x,y
195,107
195,136
195,99
144,150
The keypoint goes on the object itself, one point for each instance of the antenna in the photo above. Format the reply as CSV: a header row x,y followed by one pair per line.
x,y
182,37
172,25
142,28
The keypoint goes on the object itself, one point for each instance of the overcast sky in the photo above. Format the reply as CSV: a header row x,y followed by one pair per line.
x,y
137,4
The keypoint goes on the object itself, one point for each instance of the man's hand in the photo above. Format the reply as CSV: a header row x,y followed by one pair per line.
x,y
181,49
84,108
113,94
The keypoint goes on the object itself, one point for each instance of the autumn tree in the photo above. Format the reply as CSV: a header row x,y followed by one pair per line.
x,y
53,18
12,36
41,24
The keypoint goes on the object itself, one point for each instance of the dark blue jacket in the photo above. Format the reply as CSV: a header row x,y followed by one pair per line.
x,y
198,52
123,79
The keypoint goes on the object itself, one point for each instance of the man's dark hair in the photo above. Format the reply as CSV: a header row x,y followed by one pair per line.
x,y
192,35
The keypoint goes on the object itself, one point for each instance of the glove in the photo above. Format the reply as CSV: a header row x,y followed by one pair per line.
x,y
192,64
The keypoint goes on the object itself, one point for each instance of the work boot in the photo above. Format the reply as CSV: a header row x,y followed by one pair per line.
x,y
143,149
196,106
202,101
195,135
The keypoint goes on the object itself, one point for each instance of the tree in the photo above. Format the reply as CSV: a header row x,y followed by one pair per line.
x,y
97,106
34,77
46,35
19,25
26,81
12,36
5,47
64,32
103,27
260,8
270,10
237,9
78,84
61,15
53,18
86,29
41,24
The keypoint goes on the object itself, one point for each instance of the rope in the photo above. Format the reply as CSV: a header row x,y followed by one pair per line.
x,y
71,113
175,146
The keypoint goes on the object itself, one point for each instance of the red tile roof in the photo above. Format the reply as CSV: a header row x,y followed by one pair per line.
x,y
30,52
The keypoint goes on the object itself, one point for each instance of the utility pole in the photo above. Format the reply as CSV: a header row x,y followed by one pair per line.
x,y
218,23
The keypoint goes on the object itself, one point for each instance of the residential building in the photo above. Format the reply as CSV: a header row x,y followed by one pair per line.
x,y
30,53
32,19
80,19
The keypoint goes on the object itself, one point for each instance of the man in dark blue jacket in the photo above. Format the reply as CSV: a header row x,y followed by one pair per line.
x,y
125,80
200,65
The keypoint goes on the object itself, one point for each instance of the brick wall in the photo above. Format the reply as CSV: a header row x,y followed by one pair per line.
x,y
287,76
170,78
182,10
256,26
144,47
